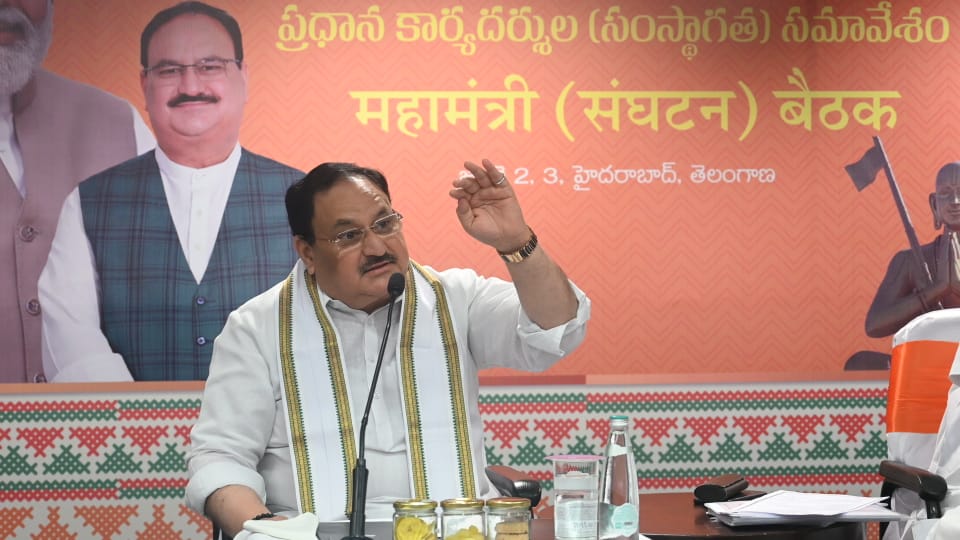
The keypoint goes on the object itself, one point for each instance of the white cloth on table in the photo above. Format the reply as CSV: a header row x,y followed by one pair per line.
x,y
302,527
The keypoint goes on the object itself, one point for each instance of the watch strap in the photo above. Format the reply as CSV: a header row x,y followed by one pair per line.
x,y
521,254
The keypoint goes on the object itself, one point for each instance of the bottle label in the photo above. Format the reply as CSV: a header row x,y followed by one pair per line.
x,y
576,518
616,450
622,520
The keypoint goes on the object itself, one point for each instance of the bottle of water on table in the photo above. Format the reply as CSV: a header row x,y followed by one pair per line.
x,y
619,512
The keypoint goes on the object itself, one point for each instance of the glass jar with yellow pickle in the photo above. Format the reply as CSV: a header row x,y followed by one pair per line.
x,y
415,519
461,519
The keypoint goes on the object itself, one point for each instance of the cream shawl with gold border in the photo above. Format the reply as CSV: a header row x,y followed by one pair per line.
x,y
323,429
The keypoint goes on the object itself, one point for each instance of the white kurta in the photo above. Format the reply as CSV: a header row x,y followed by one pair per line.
x,y
946,459
241,436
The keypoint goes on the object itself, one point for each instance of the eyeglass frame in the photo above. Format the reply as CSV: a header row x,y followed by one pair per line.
x,y
181,69
338,239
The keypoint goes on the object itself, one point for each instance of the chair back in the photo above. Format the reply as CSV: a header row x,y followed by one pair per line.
x,y
923,354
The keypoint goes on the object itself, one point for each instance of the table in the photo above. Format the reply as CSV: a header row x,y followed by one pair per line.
x,y
674,516
663,516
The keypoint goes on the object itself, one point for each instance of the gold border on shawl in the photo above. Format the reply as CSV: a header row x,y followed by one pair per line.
x,y
294,407
460,420
411,404
344,417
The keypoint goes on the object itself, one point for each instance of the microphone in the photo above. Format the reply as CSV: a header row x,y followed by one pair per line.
x,y
358,515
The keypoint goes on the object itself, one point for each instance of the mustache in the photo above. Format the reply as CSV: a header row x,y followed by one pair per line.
x,y
374,261
180,99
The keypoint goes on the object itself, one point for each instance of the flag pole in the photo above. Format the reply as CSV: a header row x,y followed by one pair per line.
x,y
904,216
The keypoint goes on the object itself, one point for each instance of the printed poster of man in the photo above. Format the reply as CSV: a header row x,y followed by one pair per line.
x,y
689,159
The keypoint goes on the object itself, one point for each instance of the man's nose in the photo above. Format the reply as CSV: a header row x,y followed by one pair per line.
x,y
373,244
189,83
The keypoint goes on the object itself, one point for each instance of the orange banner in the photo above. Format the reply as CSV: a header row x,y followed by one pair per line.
x,y
683,161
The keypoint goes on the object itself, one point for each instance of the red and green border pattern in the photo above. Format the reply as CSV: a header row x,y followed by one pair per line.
x,y
805,436
109,465
96,466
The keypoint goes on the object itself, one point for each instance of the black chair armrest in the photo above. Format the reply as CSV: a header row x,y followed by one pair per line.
x,y
931,487
513,483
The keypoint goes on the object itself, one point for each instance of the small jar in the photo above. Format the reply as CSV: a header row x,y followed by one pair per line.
x,y
508,518
462,519
414,519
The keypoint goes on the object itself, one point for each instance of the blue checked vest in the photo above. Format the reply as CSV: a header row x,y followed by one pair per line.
x,y
152,310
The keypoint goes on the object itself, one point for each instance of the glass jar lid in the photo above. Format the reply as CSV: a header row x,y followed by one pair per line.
x,y
509,503
462,504
416,505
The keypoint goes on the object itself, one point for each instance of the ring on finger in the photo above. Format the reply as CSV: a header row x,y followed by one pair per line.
x,y
501,180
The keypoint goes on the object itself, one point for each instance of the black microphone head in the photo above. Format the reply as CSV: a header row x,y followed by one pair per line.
x,y
395,285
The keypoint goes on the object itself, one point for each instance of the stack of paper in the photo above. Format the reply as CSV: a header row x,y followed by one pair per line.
x,y
792,507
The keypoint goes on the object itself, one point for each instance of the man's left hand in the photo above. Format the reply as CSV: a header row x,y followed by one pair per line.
x,y
488,208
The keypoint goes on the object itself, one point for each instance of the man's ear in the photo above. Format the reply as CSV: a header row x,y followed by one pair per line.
x,y
143,88
933,210
305,250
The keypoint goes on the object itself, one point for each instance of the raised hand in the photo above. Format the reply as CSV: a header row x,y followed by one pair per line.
x,y
488,208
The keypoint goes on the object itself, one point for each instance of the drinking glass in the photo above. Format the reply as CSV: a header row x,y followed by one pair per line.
x,y
576,481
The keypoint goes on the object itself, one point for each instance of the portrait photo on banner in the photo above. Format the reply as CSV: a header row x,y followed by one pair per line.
x,y
746,187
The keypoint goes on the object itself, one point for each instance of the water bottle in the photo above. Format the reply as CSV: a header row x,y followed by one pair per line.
x,y
619,512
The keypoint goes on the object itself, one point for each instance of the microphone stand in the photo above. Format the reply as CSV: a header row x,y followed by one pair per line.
x,y
358,516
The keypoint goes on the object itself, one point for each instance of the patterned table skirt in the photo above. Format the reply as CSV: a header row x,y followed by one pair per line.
x,y
109,464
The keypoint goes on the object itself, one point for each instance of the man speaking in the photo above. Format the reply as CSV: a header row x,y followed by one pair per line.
x,y
300,357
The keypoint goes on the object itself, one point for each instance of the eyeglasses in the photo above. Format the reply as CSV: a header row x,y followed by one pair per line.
x,y
207,69
384,227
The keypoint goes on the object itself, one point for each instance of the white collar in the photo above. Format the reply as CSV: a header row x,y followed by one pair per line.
x,y
174,170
